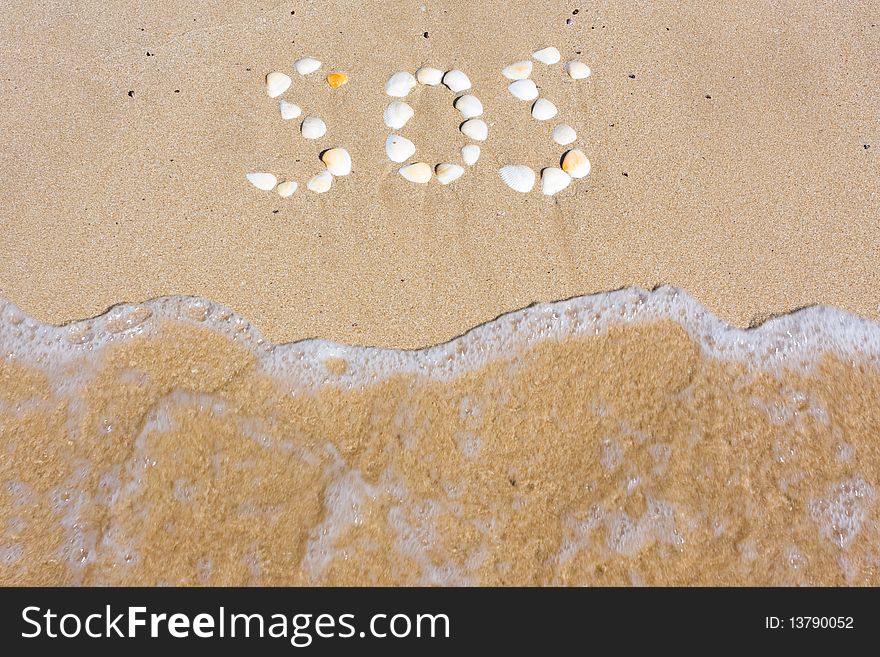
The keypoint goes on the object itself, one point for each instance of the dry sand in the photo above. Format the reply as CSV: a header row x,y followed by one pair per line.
x,y
739,163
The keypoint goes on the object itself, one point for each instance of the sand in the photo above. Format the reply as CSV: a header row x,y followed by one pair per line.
x,y
599,441
739,163
626,452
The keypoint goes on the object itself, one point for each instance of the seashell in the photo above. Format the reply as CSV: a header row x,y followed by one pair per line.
x,y
336,79
469,106
262,180
523,89
575,163
313,128
417,172
518,70
518,177
447,173
320,183
554,180
289,110
456,81
429,75
476,129
577,70
286,189
306,65
337,161
400,84
399,149
470,154
543,110
564,134
277,83
547,55
397,114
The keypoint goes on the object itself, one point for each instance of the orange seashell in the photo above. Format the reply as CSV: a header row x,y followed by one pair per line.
x,y
337,79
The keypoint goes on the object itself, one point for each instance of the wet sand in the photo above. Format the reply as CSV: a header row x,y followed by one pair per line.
x,y
156,449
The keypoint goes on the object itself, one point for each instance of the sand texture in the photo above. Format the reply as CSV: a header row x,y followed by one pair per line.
x,y
601,444
733,146
195,436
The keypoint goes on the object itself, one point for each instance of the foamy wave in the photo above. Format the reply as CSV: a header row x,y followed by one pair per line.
x,y
132,437
793,341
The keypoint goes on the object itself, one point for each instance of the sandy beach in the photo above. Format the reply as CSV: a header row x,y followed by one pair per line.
x,y
731,156
196,436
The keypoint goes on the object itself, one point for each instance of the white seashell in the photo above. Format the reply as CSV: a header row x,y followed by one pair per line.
x,y
399,149
475,129
337,161
262,180
577,70
313,128
417,172
289,110
518,177
447,173
429,75
564,134
470,154
400,84
543,110
523,89
397,114
469,106
320,183
547,55
575,163
554,180
306,65
456,81
517,70
277,83
286,189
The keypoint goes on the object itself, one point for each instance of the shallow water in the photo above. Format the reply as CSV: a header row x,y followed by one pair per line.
x,y
623,438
